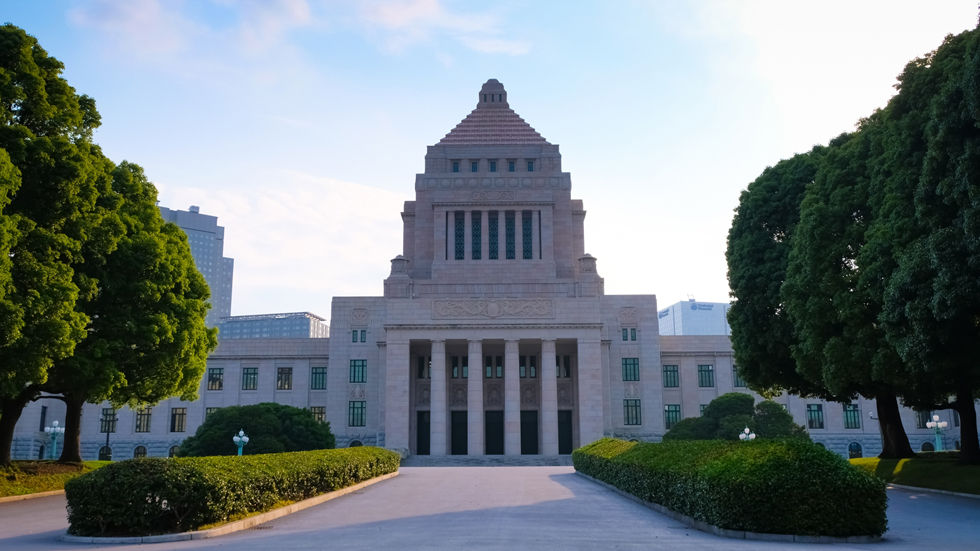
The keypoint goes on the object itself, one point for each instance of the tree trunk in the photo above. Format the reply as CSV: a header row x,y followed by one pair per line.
x,y
894,441
969,443
10,410
71,450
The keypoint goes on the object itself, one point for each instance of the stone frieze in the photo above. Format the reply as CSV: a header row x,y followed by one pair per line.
x,y
492,308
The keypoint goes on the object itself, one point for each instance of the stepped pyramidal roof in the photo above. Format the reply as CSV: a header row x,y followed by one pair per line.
x,y
493,122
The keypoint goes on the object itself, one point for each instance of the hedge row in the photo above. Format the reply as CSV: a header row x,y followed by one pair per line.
x,y
142,497
769,486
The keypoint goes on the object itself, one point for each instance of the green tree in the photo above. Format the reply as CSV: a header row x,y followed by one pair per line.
x,y
271,428
52,187
729,414
771,420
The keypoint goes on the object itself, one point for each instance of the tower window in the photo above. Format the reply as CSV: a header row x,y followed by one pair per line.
x,y
455,166
530,166
511,166
474,166
493,165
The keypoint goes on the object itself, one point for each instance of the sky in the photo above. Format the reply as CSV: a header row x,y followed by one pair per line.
x,y
301,124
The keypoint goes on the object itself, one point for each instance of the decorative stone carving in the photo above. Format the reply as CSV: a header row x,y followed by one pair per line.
x,y
627,316
565,395
529,394
458,396
494,396
492,308
360,316
357,392
493,195
422,393
632,390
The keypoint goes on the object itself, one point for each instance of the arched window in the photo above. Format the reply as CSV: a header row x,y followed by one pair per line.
x,y
105,453
140,451
928,447
355,444
854,450
173,451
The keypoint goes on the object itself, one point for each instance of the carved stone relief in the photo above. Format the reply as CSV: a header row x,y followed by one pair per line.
x,y
627,316
493,195
359,316
529,394
632,390
458,395
357,392
494,395
492,308
422,393
566,397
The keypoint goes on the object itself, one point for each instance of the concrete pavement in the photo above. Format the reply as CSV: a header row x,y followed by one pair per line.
x,y
502,508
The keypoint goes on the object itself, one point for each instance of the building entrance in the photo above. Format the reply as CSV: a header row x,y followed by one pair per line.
x,y
422,433
564,431
529,432
457,445
494,432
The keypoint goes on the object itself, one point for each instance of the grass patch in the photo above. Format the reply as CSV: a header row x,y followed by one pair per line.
x,y
31,477
936,470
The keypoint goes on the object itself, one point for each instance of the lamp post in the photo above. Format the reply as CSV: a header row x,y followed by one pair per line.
x,y
240,440
746,435
55,431
936,425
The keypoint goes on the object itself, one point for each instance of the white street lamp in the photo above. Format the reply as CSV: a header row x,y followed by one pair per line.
x,y
55,431
936,425
240,440
746,435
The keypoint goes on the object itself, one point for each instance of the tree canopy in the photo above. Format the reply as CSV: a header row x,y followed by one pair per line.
x,y
271,428
729,414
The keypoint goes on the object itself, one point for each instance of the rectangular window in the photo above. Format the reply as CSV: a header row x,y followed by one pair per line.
x,y
474,166
493,165
455,166
108,421
143,419
454,369
671,377
814,416
355,413
216,378
476,234
319,413
631,412
318,378
208,412
494,367
737,380
510,231
921,418
633,333
493,230
178,419
631,369
250,378
511,166
353,336
530,166
526,235
357,369
706,376
852,416
363,335
625,334
563,366
701,409
284,378
672,415
422,367
459,223
44,417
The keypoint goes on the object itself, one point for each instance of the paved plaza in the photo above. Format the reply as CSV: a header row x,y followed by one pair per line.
x,y
501,508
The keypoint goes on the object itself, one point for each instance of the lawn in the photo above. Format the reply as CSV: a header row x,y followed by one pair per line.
x,y
29,477
940,470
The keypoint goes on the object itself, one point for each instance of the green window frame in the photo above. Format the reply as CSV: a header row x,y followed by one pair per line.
x,y
216,378
631,412
492,234
318,378
510,231
284,378
143,418
476,234
459,235
250,378
319,413
356,413
671,376
631,369
527,234
672,415
737,380
357,371
209,411
178,419
852,416
626,333
706,375
107,423
814,416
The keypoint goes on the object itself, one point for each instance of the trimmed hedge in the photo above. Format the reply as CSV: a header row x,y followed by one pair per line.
x,y
789,486
140,497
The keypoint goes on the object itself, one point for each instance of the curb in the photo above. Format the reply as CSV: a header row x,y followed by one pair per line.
x,y
23,497
931,491
734,534
235,526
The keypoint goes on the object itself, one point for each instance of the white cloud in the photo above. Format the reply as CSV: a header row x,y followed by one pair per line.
x,y
142,27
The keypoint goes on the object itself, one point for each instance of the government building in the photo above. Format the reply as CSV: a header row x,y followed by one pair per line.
x,y
493,334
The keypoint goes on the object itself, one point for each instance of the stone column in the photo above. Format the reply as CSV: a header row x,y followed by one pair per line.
x,y
437,399
549,399
589,378
474,399
512,399
397,380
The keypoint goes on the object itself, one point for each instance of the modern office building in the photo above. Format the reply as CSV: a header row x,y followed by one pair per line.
x,y
289,325
493,334
207,241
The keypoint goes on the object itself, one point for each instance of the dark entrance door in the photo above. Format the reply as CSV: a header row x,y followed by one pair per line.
x,y
564,431
458,444
421,433
529,432
494,432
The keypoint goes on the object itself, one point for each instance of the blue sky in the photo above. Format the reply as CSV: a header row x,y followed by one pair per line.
x,y
301,123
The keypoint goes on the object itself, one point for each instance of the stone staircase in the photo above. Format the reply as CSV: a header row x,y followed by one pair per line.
x,y
486,461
